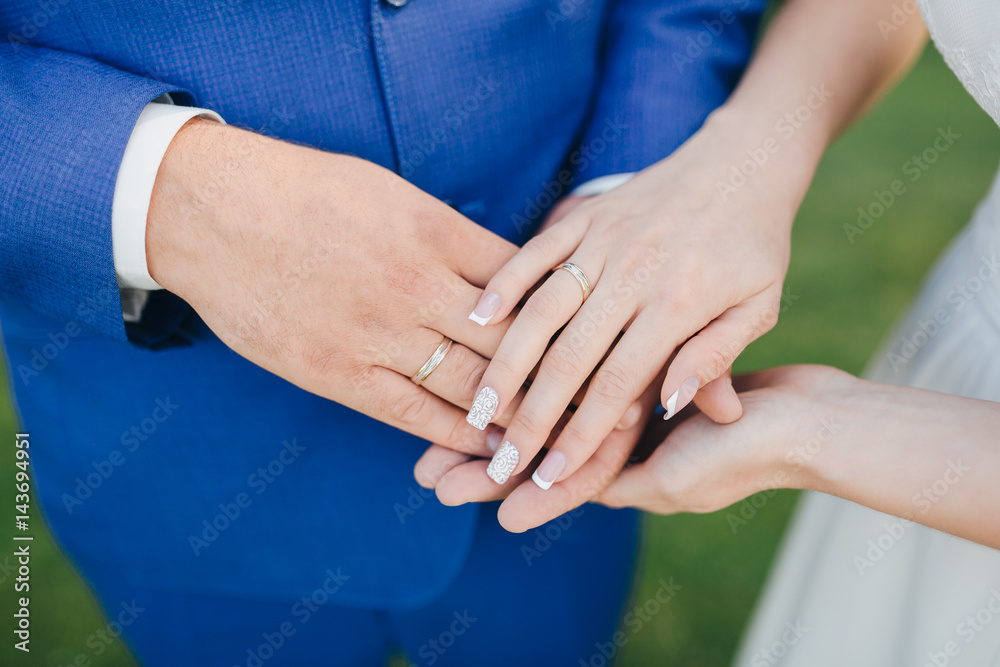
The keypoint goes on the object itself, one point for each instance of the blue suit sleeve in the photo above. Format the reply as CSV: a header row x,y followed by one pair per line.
x,y
65,123
667,65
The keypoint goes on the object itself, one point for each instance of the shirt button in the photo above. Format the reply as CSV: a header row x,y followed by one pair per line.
x,y
396,3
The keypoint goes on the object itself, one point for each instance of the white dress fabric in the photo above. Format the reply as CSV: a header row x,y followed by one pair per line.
x,y
854,587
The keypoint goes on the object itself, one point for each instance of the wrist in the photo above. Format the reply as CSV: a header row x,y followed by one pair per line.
x,y
206,169
850,414
772,153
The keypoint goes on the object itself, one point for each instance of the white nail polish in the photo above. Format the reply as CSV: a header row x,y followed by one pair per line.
x,y
671,405
487,307
504,463
680,398
542,484
483,408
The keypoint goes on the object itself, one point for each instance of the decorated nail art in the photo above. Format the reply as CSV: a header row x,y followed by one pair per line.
x,y
483,408
504,462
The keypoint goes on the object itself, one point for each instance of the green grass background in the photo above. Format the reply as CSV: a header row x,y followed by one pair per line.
x,y
848,297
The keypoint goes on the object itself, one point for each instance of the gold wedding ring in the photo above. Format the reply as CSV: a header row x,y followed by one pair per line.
x,y
580,276
439,354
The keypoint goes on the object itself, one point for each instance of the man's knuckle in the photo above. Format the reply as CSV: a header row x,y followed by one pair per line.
x,y
413,410
471,380
403,277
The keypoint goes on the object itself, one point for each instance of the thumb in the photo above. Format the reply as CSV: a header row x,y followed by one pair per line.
x,y
636,486
718,399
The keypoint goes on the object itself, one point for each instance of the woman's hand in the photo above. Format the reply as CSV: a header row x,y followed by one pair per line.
x,y
793,417
685,269
920,455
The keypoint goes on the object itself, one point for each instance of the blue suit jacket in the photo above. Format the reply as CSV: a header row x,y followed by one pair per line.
x,y
160,452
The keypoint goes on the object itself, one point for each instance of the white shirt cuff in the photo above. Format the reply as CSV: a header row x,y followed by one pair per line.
x,y
600,185
154,130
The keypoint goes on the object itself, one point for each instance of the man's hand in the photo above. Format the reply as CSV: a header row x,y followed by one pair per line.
x,y
328,271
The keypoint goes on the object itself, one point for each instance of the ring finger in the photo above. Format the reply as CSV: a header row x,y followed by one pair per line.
x,y
456,374
525,342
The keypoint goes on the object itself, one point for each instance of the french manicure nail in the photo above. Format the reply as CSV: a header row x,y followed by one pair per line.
x,y
493,438
487,307
483,408
680,398
549,470
504,462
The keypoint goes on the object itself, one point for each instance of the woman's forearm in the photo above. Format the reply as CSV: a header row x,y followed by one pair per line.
x,y
820,65
925,456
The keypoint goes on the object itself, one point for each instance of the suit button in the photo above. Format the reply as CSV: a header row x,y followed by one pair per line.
x,y
396,3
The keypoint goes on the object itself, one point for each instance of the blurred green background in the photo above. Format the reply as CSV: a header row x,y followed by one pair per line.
x,y
847,296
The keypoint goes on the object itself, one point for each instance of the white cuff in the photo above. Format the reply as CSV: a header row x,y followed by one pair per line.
x,y
154,130
600,185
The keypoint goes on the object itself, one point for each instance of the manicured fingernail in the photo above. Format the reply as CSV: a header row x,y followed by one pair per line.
x,y
504,462
549,470
493,438
487,307
630,417
680,398
483,408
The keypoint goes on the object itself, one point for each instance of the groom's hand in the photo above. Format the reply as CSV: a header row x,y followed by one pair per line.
x,y
328,271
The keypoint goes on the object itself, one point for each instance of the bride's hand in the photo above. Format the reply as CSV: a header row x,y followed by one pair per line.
x,y
680,264
792,417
